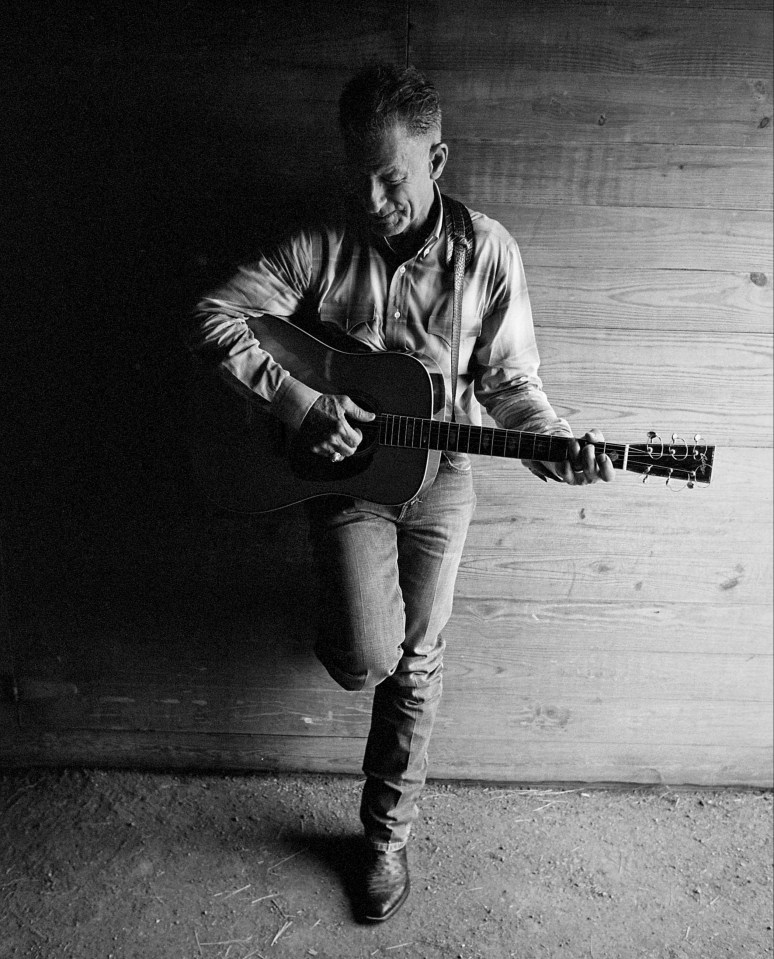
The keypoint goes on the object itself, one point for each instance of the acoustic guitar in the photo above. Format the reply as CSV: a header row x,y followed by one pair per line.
x,y
247,461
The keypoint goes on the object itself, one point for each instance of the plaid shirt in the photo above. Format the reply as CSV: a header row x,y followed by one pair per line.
x,y
346,278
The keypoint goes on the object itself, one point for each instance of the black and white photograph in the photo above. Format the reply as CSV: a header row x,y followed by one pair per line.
x,y
386,479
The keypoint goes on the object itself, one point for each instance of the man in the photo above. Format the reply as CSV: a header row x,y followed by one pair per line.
x,y
381,276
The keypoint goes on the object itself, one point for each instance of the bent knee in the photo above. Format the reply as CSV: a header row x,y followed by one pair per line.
x,y
354,677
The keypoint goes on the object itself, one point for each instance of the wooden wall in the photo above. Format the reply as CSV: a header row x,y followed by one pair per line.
x,y
604,634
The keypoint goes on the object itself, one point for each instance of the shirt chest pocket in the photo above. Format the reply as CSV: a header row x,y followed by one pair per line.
x,y
440,321
361,323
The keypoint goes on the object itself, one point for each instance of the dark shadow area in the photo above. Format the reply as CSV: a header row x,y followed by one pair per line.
x,y
343,856
153,151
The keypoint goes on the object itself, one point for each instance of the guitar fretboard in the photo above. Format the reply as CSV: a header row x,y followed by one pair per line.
x,y
417,432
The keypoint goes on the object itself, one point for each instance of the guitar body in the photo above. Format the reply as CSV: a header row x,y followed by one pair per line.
x,y
249,462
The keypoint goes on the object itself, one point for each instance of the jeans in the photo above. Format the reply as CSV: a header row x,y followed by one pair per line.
x,y
388,577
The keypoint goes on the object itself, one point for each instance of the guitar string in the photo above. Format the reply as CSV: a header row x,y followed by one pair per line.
x,y
394,430
423,432
400,423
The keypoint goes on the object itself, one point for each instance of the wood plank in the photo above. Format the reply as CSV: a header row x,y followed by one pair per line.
x,y
619,722
551,761
619,697
617,238
610,175
536,762
573,677
318,33
654,5
271,645
495,623
644,39
669,381
522,106
556,573
659,300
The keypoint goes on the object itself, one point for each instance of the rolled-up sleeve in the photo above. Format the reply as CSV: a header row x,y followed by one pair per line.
x,y
218,331
505,359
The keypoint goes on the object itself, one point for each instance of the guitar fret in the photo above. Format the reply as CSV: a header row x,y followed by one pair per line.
x,y
417,432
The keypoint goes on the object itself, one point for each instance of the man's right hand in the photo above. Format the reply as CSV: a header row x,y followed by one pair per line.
x,y
327,428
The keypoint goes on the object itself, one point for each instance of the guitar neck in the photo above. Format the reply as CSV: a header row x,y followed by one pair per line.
x,y
416,432
692,463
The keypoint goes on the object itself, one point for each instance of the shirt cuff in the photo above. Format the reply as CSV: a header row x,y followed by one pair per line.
x,y
292,402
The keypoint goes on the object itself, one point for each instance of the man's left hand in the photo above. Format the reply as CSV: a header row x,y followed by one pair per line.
x,y
583,465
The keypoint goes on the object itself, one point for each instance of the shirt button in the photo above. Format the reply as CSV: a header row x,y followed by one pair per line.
x,y
396,314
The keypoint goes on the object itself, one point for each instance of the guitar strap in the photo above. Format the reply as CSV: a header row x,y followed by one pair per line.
x,y
460,242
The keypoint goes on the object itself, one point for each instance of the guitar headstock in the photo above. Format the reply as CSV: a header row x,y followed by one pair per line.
x,y
678,461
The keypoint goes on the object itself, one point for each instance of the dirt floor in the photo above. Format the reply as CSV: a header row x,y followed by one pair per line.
x,y
118,865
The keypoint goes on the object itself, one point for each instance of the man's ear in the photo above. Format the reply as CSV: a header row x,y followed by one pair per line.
x,y
439,154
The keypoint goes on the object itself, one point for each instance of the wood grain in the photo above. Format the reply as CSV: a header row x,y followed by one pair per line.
x,y
647,39
261,653
523,106
632,238
619,697
620,626
263,32
610,175
540,542
658,576
634,381
536,762
692,301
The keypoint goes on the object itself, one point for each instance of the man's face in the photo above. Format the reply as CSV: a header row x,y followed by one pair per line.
x,y
393,181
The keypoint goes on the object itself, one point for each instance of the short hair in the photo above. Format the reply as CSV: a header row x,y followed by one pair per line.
x,y
381,95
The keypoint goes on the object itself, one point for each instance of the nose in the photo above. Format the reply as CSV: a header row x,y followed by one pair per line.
x,y
372,195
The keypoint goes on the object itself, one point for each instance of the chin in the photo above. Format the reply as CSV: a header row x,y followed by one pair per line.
x,y
391,228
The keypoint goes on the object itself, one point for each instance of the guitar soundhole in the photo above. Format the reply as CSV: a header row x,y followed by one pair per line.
x,y
318,469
